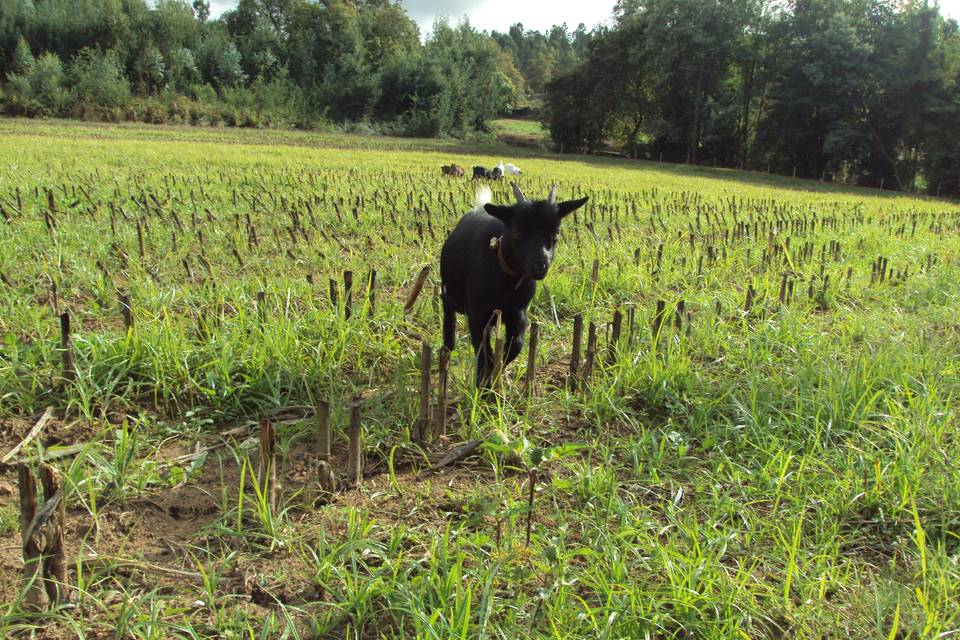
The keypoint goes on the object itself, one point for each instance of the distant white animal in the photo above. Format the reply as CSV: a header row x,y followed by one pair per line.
x,y
512,169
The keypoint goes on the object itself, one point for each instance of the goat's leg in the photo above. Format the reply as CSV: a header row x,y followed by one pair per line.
x,y
449,326
516,324
481,347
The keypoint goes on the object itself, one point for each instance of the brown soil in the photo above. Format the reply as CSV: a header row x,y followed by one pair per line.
x,y
157,539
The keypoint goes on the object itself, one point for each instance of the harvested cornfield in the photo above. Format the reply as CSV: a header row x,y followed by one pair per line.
x,y
752,435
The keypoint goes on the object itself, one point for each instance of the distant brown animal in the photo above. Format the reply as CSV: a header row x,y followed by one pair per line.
x,y
452,170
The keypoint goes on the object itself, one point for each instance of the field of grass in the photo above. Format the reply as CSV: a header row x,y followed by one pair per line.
x,y
527,132
779,460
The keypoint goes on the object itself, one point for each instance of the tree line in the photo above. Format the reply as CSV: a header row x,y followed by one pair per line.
x,y
859,91
297,63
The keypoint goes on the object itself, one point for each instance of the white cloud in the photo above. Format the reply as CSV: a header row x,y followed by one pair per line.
x,y
490,15
425,9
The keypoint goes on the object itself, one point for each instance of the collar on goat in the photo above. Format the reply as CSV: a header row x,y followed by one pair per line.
x,y
496,244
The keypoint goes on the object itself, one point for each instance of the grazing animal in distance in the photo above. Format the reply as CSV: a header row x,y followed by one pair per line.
x,y
512,169
491,261
452,170
488,174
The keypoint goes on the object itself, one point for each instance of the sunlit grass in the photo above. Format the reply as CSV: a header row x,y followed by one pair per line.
x,y
771,470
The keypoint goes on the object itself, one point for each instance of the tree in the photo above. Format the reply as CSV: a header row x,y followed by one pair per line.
x,y
600,98
815,118
22,57
687,49
941,153
388,33
539,56
858,90
97,79
183,71
41,90
229,71
476,90
202,10
151,68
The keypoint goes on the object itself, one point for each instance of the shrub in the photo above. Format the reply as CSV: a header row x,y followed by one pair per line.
x,y
16,97
178,108
154,113
249,119
22,57
196,114
278,102
229,68
213,115
98,79
203,93
149,110
183,69
39,91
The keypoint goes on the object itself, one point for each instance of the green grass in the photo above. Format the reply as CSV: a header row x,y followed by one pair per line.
x,y
513,127
782,470
528,127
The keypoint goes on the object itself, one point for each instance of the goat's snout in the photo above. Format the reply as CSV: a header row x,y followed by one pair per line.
x,y
539,267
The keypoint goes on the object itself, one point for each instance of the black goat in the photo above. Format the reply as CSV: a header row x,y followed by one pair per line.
x,y
489,174
492,260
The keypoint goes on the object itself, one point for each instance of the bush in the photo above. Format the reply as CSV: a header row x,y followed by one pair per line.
x,y
154,113
114,114
203,93
360,128
16,98
98,79
39,91
349,88
196,114
22,57
421,124
413,93
230,116
148,110
278,102
178,108
250,119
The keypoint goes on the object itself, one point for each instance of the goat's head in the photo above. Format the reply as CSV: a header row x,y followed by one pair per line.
x,y
533,227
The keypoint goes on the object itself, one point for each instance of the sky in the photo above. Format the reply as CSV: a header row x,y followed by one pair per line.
x,y
489,15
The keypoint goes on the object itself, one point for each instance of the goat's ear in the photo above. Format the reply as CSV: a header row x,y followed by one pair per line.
x,y
569,206
499,211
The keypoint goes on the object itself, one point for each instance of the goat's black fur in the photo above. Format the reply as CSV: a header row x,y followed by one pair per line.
x,y
476,284
489,174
